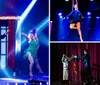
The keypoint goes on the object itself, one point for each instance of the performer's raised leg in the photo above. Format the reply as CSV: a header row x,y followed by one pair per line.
x,y
72,26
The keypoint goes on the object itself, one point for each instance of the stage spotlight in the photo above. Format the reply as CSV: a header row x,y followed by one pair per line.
x,y
40,83
51,21
66,0
60,14
91,0
89,17
7,83
16,83
25,84
64,18
61,17
67,17
47,83
97,17
88,13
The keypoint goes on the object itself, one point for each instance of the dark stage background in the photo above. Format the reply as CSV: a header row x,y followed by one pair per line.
x,y
89,28
58,49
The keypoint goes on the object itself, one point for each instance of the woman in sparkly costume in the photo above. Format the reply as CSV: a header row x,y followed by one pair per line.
x,y
31,51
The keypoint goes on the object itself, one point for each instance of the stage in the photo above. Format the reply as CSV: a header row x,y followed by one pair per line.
x,y
24,80
72,83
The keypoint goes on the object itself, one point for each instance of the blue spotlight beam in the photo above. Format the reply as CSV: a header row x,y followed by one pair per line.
x,y
43,39
25,13
40,27
61,30
7,73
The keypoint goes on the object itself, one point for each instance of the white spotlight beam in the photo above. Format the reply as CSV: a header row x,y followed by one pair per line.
x,y
40,27
25,13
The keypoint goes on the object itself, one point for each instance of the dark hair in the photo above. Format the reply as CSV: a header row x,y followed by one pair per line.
x,y
33,31
86,50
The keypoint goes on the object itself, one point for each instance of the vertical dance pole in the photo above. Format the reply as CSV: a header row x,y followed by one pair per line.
x,y
72,5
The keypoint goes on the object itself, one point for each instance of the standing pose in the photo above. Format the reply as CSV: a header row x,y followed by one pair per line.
x,y
65,61
75,18
86,60
31,51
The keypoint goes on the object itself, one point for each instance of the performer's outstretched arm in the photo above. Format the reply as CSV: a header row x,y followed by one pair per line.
x,y
69,14
80,57
69,58
25,36
63,58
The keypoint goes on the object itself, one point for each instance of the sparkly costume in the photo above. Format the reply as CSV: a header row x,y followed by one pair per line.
x,y
65,67
33,47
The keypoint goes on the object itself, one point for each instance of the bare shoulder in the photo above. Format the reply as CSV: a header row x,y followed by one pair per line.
x,y
29,40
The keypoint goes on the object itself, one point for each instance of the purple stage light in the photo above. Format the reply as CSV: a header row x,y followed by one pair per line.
x,y
88,13
67,17
64,18
91,0
47,83
51,21
97,17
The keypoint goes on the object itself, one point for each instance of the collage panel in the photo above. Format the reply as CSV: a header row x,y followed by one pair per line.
x,y
24,42
75,63
75,20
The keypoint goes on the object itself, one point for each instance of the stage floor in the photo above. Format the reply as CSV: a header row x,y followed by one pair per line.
x,y
23,80
71,83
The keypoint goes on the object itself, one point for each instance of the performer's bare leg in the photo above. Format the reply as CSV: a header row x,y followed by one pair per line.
x,y
31,60
72,26
79,31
